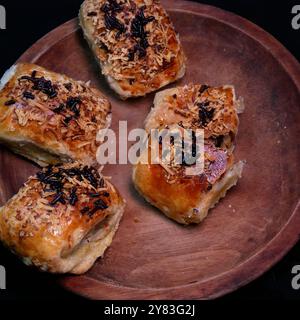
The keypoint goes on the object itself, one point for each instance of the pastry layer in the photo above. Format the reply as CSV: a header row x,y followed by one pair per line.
x,y
134,43
62,219
48,117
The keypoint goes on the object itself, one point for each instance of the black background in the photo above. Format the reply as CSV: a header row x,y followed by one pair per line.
x,y
29,20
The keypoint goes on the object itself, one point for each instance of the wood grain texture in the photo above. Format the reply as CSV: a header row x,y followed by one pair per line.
x,y
258,221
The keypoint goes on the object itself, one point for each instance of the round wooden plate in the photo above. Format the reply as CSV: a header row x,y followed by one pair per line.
x,y
258,221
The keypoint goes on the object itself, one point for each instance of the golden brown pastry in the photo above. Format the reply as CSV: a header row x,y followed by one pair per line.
x,y
183,197
213,109
135,44
62,219
50,118
178,189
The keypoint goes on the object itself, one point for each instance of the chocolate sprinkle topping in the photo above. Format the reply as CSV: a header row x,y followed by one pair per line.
x,y
54,179
92,14
138,32
59,109
111,23
111,6
205,115
94,195
67,119
28,95
41,84
98,205
138,24
104,46
10,102
84,210
68,86
73,197
72,104
203,88
91,175
140,50
58,198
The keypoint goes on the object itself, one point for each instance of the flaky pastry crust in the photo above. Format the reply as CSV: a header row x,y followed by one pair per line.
x,y
62,219
134,43
48,117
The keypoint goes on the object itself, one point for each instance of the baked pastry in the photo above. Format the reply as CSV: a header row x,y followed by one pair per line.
x,y
184,191
213,109
135,44
50,118
183,197
62,219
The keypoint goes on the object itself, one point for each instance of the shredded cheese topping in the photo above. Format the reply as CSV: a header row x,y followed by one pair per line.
x,y
73,116
37,209
120,50
201,107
